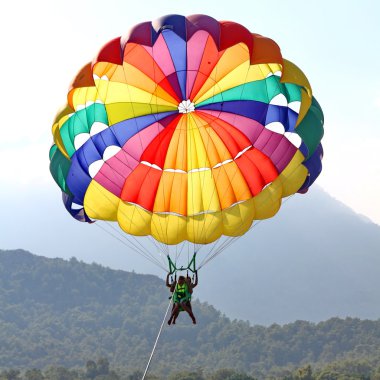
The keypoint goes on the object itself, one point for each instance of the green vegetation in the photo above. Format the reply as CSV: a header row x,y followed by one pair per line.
x,y
56,314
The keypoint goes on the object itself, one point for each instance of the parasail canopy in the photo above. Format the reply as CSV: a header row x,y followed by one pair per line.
x,y
186,129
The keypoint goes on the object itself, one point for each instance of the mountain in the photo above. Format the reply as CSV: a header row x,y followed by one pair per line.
x,y
314,260
63,313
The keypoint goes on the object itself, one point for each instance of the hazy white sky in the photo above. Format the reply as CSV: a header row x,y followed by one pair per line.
x,y
336,44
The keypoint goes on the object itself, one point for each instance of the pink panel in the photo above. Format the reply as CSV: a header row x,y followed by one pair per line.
x,y
114,172
251,128
161,55
136,145
195,49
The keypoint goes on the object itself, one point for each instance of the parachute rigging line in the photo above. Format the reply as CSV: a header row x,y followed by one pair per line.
x,y
157,338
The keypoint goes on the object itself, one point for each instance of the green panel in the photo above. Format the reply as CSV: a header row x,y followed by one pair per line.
x,y
311,127
81,122
261,91
293,92
59,168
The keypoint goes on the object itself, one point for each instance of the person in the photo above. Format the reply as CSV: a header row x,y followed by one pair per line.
x,y
181,298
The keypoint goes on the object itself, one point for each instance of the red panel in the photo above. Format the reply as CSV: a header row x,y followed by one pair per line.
x,y
139,34
251,174
257,168
155,152
265,50
232,34
139,57
141,186
110,52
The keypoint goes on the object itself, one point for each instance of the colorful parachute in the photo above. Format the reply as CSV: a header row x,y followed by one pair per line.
x,y
187,129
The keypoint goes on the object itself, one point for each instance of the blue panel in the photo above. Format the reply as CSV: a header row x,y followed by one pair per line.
x,y
292,120
77,180
176,23
277,114
126,129
87,154
248,108
104,139
178,52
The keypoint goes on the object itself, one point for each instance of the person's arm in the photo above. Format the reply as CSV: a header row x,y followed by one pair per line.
x,y
172,286
167,281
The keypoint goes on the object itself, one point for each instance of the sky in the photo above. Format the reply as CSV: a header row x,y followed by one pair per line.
x,y
44,44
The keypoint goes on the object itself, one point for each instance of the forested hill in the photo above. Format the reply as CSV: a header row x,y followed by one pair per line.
x,y
56,312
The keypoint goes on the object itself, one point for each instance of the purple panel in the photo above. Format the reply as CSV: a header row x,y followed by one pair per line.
x,y
142,34
78,214
207,23
263,139
314,166
283,154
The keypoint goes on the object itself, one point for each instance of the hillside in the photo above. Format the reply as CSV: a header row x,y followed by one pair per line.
x,y
315,260
56,312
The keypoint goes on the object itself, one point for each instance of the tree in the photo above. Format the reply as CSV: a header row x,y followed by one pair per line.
x,y
187,375
12,374
229,374
34,374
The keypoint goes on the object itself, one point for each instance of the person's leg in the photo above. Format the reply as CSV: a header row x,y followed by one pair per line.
x,y
175,311
189,311
175,316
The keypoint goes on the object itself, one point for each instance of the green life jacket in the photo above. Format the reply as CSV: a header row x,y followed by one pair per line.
x,y
182,290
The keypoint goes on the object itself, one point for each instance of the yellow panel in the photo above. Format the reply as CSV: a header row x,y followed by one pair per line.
x,y
57,135
234,78
113,71
273,67
99,203
115,92
171,195
196,151
204,228
216,150
176,157
133,219
237,219
268,201
294,175
202,194
121,111
82,95
293,74
168,228
305,105
232,58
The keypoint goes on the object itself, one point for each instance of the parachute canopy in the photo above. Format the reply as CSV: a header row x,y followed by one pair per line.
x,y
186,129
